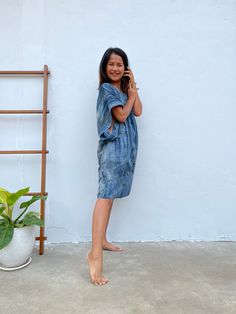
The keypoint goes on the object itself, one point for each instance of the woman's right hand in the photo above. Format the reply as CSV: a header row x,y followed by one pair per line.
x,y
132,91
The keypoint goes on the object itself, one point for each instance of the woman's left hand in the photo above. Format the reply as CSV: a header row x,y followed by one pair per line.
x,y
130,74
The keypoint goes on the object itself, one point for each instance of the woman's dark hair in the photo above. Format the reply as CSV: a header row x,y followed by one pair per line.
x,y
103,78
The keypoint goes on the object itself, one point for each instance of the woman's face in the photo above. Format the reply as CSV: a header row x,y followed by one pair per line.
x,y
115,68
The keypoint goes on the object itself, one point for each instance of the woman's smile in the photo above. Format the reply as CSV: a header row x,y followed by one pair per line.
x,y
115,68
115,74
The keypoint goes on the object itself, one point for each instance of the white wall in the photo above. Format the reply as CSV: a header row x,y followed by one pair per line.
x,y
183,55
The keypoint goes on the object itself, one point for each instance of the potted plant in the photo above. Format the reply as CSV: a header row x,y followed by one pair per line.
x,y
17,235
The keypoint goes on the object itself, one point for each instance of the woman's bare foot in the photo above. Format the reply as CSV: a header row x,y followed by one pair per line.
x,y
95,267
111,247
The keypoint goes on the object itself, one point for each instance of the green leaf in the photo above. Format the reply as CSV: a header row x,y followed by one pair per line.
x,y
4,190
4,215
2,208
19,225
28,203
15,196
31,218
6,233
3,221
32,200
3,197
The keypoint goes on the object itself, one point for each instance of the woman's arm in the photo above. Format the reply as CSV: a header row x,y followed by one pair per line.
x,y
138,107
121,113
137,104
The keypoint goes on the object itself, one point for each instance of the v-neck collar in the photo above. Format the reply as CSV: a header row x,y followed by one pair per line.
x,y
119,90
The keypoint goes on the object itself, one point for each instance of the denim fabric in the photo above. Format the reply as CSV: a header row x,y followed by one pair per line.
x,y
117,149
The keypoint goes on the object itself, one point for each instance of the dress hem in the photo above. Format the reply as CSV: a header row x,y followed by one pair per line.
x,y
112,197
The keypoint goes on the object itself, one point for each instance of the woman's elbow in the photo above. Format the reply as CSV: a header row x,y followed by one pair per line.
x,y
121,119
138,113
119,115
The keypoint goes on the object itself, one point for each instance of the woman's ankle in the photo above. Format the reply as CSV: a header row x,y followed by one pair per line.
x,y
96,254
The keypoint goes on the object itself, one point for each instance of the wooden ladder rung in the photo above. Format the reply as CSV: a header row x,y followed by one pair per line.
x,y
38,238
22,111
23,152
25,72
36,193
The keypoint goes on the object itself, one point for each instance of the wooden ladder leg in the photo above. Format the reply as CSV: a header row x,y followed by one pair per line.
x,y
44,145
41,235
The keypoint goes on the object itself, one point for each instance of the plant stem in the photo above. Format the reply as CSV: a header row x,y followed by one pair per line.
x,y
20,215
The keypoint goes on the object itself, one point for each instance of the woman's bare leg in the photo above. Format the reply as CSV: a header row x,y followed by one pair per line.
x,y
105,244
95,255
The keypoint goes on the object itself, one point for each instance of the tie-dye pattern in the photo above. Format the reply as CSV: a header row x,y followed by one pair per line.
x,y
117,149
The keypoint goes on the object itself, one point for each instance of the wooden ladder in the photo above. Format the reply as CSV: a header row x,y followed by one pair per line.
x,y
45,73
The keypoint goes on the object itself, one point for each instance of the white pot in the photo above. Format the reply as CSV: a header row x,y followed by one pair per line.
x,y
18,251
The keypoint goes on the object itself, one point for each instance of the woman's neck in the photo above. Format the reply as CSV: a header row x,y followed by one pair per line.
x,y
116,84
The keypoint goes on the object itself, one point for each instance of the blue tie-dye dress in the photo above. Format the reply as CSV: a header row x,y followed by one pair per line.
x,y
117,148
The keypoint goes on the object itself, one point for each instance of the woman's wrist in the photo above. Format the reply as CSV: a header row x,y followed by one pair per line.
x,y
132,98
129,105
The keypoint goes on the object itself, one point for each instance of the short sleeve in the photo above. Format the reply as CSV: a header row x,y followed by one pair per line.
x,y
108,98
112,97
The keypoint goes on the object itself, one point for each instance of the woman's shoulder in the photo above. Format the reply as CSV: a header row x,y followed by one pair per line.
x,y
109,88
106,84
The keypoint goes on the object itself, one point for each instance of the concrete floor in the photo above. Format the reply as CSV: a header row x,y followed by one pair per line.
x,y
163,277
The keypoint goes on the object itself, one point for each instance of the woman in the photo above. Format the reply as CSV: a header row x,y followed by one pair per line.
x,y
117,105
